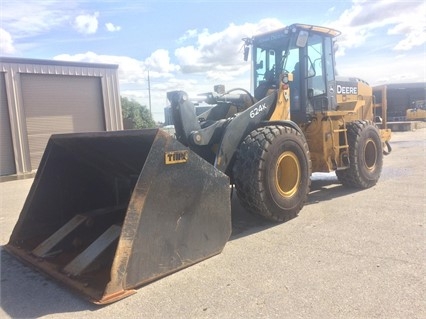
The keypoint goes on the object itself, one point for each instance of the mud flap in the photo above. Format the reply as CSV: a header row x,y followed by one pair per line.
x,y
111,211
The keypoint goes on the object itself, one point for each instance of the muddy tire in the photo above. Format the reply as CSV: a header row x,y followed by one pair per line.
x,y
365,156
272,172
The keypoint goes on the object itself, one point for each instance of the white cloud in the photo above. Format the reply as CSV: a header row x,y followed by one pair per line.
x,y
414,33
190,59
86,23
111,27
376,69
219,54
367,18
159,63
6,43
130,70
189,34
22,21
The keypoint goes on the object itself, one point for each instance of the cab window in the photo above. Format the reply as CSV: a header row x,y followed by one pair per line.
x,y
265,69
316,77
264,65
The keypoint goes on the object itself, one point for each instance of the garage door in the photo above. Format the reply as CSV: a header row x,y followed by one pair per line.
x,y
7,162
59,104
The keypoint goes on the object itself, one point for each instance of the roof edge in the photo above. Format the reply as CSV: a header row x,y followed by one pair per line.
x,y
57,62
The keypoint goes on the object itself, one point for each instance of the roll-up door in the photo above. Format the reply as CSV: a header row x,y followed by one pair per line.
x,y
7,159
60,104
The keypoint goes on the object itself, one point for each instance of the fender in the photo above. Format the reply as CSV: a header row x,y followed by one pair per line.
x,y
284,123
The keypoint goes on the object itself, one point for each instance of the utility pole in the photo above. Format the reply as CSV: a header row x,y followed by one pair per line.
x,y
149,94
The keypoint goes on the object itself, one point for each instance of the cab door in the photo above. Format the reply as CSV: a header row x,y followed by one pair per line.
x,y
320,80
314,85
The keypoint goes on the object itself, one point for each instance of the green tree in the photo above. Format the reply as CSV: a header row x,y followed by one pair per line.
x,y
135,115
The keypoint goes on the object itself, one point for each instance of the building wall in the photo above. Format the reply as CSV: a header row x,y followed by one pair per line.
x,y
7,161
399,97
40,98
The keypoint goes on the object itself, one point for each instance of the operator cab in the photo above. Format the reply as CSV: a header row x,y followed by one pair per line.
x,y
305,53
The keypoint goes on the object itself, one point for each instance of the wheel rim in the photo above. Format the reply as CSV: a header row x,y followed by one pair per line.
x,y
287,174
370,151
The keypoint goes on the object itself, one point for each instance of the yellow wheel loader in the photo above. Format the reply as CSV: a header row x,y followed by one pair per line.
x,y
109,212
418,112
300,120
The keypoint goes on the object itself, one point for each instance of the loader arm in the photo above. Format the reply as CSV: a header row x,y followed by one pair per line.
x,y
227,133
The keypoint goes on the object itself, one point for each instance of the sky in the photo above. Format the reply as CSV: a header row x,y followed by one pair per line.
x,y
194,45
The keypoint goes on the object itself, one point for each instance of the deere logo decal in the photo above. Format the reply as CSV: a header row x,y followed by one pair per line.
x,y
176,157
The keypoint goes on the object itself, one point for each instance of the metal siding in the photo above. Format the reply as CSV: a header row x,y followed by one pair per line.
x,y
7,160
60,104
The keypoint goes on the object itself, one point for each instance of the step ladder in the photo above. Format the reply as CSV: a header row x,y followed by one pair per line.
x,y
337,147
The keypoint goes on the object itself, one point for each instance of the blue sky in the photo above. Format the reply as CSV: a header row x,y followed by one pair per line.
x,y
193,45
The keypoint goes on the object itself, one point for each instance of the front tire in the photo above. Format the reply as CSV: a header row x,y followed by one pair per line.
x,y
272,172
365,156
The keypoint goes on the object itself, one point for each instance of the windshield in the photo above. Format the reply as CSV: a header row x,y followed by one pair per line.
x,y
272,54
308,59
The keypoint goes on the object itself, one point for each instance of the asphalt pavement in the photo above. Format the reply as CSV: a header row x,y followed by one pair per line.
x,y
349,254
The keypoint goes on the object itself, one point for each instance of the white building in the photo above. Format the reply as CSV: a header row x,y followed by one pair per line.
x,y
42,97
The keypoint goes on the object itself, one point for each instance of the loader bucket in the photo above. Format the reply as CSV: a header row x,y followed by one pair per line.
x,y
111,211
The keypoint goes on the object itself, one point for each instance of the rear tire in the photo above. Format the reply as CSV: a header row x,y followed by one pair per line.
x,y
272,172
365,156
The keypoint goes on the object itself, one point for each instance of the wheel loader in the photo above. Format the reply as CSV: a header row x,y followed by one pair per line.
x,y
417,112
109,212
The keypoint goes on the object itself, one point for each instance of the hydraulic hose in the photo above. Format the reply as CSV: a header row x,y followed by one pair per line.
x,y
388,149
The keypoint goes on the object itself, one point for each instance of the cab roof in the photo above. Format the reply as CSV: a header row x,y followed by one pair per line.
x,y
283,32
320,29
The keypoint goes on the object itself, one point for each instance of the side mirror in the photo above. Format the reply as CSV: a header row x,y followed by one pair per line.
x,y
246,52
247,43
